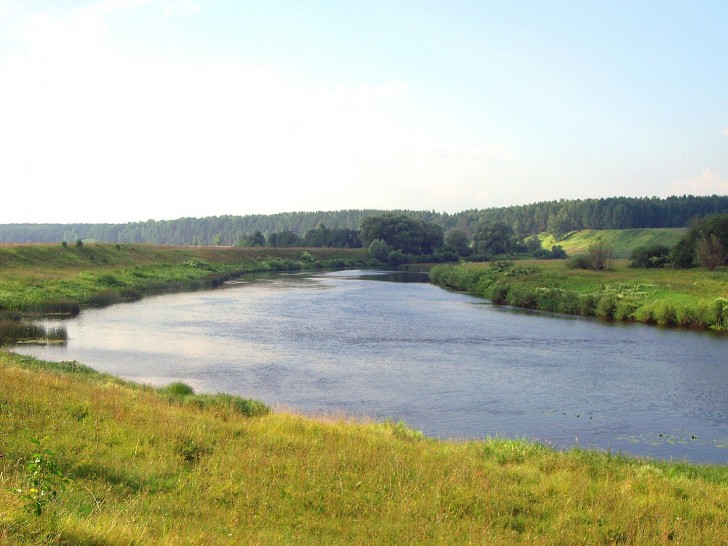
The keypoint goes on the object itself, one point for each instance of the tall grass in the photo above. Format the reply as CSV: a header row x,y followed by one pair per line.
x,y
149,469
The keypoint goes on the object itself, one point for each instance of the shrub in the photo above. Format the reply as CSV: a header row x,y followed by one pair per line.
x,y
600,255
579,262
606,307
651,256
379,250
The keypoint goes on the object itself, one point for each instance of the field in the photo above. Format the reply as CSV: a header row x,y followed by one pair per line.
x,y
694,298
42,279
144,467
623,241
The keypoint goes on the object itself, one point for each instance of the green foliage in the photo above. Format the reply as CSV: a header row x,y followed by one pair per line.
x,y
690,299
379,250
79,243
650,257
494,238
249,407
560,217
254,239
457,239
44,480
401,232
706,243
710,252
177,390
598,258
284,239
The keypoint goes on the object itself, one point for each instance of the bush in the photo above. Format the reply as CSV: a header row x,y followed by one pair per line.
x,y
579,262
651,256
379,250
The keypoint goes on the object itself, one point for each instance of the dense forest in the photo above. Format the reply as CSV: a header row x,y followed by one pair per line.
x,y
555,217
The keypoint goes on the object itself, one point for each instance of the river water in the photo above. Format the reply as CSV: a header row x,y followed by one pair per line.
x,y
369,344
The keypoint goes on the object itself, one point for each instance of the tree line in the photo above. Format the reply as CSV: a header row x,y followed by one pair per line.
x,y
554,217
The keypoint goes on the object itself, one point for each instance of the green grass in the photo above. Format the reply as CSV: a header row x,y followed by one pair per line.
x,y
695,298
623,241
145,468
53,280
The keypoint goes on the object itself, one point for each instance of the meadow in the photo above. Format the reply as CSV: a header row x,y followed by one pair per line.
x,y
43,279
130,464
621,241
692,298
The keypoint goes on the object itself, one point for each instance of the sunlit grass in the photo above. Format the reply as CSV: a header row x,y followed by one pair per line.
x,y
146,469
43,280
694,298
621,241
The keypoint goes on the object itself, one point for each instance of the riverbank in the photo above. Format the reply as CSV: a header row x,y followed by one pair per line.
x,y
41,280
688,298
145,467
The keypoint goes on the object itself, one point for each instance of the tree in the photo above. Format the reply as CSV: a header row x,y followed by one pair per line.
x,y
650,256
254,239
401,232
379,250
284,239
710,251
457,239
599,255
494,238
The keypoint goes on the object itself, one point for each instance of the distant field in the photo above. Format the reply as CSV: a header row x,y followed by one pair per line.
x,y
623,241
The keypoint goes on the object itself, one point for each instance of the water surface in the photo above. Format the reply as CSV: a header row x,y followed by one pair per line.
x,y
448,364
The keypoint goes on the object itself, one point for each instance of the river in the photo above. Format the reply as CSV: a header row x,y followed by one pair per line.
x,y
377,345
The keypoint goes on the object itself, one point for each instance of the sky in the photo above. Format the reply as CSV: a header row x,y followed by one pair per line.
x,y
129,110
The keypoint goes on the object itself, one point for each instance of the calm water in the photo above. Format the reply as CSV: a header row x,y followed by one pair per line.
x,y
448,364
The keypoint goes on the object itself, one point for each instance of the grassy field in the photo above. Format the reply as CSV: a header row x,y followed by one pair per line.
x,y
144,467
623,241
693,298
56,280
35,277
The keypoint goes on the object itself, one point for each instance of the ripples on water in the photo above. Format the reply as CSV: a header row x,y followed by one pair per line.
x,y
449,364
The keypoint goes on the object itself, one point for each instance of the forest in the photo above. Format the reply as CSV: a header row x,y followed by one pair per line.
x,y
554,217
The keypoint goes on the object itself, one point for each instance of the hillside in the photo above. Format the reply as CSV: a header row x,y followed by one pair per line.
x,y
623,241
145,467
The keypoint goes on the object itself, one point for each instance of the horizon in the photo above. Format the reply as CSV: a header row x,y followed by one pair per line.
x,y
120,111
383,211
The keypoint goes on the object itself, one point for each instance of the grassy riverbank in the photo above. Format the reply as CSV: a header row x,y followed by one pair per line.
x,y
694,298
56,280
147,468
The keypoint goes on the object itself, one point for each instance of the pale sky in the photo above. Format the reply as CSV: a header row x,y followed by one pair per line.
x,y
127,110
